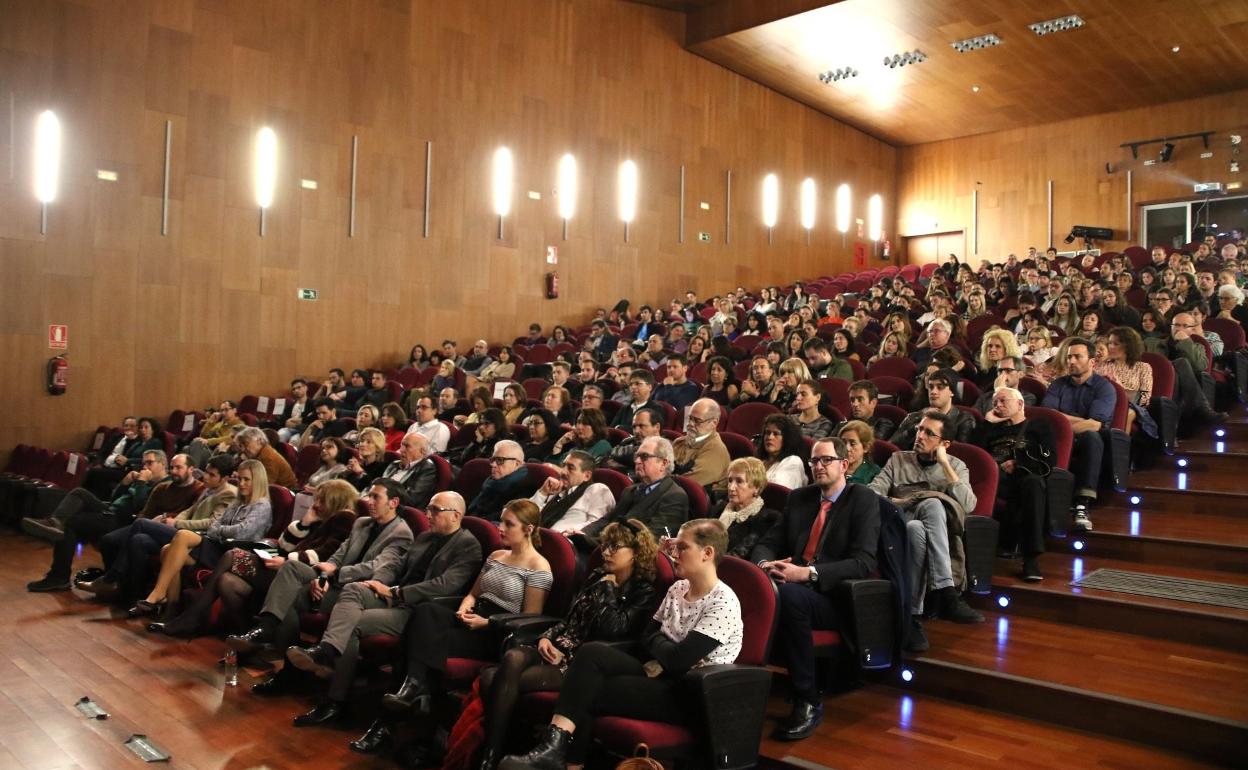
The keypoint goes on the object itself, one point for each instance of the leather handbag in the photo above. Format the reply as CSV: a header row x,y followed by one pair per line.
x,y
641,760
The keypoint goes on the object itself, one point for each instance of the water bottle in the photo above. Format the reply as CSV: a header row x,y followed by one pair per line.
x,y
231,668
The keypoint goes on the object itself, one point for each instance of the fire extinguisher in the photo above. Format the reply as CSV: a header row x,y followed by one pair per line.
x,y
58,375
552,285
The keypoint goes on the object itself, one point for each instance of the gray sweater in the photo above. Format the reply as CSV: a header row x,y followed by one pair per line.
x,y
903,469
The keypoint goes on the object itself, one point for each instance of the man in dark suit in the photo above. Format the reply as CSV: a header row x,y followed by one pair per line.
x,y
829,532
655,500
376,544
441,562
414,471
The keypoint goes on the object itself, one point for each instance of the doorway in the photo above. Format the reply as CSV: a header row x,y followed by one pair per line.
x,y
933,247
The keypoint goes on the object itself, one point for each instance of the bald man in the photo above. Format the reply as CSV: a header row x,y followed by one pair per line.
x,y
700,454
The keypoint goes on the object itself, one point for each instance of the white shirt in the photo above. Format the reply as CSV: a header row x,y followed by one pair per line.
x,y
435,431
789,472
717,615
592,506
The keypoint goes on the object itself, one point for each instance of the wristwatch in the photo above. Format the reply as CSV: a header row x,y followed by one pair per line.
x,y
814,574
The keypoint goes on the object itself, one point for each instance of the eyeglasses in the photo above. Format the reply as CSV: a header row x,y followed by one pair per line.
x,y
440,509
151,462
927,432
1001,369
700,420
816,462
501,460
643,456
773,434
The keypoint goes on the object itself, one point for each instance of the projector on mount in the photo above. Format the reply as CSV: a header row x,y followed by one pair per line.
x,y
1207,187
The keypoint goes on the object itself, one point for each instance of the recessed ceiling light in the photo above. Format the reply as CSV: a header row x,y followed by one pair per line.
x,y
975,43
975,89
1042,28
1174,50
831,76
902,59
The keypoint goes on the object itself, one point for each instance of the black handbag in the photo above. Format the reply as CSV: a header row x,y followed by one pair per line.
x,y
1031,457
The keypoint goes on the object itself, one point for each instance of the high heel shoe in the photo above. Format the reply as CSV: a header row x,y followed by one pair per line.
x,y
143,608
412,696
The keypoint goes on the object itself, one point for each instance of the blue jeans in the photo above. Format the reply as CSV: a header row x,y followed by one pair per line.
x,y
128,551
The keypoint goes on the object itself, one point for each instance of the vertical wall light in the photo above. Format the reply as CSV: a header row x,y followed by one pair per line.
x,y
875,217
771,203
47,162
627,194
566,186
265,171
842,211
504,179
808,206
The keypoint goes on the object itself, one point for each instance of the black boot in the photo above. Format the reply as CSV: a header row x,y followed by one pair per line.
x,y
413,696
376,740
548,755
489,760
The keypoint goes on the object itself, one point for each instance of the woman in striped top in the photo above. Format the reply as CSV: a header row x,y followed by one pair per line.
x,y
514,579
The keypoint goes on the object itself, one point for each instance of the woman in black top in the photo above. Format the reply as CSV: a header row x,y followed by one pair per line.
x,y
491,427
743,511
362,471
615,604
543,431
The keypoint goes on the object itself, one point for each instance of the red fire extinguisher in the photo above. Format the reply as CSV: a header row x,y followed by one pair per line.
x,y
552,285
58,375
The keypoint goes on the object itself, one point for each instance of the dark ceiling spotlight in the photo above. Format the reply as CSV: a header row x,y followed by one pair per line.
x,y
1167,150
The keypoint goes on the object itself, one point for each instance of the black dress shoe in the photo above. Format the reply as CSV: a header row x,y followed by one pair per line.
x,y
801,722
413,695
249,641
954,607
329,711
47,585
280,683
376,740
318,659
916,638
143,608
1031,569
172,628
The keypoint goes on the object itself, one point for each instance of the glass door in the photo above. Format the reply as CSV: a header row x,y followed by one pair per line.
x,y
1166,224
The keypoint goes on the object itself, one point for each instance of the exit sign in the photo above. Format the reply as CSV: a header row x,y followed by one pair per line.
x,y
309,294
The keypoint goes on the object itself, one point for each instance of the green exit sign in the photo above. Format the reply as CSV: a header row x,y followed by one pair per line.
x,y
704,236
310,294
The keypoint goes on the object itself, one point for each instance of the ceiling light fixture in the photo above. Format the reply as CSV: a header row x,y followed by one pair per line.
x,y
1167,150
828,77
976,43
974,89
1043,28
902,59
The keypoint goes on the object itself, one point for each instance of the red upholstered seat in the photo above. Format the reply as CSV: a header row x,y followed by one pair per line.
x,y
738,446
747,419
617,482
471,477
901,390
699,504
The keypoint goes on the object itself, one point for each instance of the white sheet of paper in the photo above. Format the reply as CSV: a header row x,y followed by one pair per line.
x,y
266,554
99,441
279,406
71,467
499,389
262,406
188,423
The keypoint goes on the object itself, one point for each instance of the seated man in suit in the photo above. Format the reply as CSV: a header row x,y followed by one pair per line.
x,y
573,500
507,476
441,562
377,542
922,483
830,532
647,422
700,454
414,471
655,500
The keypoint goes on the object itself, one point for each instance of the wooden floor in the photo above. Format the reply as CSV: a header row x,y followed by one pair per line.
x,y
1062,677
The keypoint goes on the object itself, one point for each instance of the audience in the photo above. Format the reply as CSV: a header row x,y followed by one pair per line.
x,y
700,454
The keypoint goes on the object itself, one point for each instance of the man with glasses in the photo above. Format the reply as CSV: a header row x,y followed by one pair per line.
x,y
1010,371
442,561
700,454
1190,360
572,500
938,334
640,387
647,423
84,518
761,382
940,386
829,532
508,475
1163,303
427,424
655,500
922,482
414,471
592,397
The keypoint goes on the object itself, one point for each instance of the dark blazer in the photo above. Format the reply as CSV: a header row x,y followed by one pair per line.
x,y
848,543
354,563
450,573
663,510
744,535
418,486
495,493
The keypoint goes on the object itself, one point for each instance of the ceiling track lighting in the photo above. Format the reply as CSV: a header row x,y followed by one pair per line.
x,y
902,59
828,77
1042,28
976,43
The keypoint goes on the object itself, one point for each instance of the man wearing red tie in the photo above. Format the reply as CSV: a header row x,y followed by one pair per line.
x,y
830,532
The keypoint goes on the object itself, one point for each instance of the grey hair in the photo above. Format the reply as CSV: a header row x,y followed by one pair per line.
x,y
247,435
511,447
941,323
1229,290
663,449
159,454
1013,393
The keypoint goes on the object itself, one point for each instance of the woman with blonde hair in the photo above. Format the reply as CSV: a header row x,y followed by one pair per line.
x,y
859,437
1066,314
743,512
1039,347
996,345
247,519
894,345
792,372
371,463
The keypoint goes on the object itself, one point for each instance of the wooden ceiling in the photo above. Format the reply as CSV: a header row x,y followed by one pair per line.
x,y
1121,58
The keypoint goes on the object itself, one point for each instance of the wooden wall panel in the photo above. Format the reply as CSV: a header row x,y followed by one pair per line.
x,y
210,310
935,180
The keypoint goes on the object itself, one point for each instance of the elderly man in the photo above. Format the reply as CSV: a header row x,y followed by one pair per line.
x,y
441,562
922,482
940,387
1010,370
128,550
1020,447
254,445
425,422
376,544
592,397
829,533
1189,358
572,500
938,333
478,359
85,518
700,454
761,382
655,500
508,475
414,471
647,423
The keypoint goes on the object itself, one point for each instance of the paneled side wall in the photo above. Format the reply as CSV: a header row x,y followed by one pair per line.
x,y
1011,169
210,310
